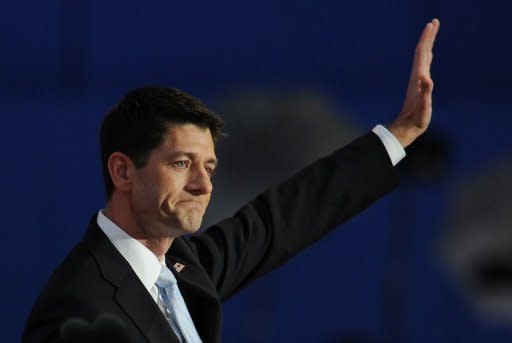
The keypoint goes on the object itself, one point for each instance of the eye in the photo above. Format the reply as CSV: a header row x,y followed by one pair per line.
x,y
210,170
182,164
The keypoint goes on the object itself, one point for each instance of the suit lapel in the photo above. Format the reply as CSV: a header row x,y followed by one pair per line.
x,y
198,292
134,299
131,295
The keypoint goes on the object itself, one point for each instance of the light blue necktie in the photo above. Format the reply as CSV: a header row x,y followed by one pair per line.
x,y
176,311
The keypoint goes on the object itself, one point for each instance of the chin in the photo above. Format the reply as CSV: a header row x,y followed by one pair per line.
x,y
190,231
189,224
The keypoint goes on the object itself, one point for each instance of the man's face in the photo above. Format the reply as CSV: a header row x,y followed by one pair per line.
x,y
170,194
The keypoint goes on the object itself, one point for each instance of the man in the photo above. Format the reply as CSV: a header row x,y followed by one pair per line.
x,y
135,271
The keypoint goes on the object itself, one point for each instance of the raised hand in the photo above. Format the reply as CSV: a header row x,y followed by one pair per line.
x,y
416,113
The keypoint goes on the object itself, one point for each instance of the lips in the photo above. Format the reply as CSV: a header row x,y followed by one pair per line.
x,y
191,203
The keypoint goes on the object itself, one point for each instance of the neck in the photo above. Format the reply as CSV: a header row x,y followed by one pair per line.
x,y
158,246
126,222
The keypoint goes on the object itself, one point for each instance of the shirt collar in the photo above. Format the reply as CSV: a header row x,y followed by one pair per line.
x,y
143,262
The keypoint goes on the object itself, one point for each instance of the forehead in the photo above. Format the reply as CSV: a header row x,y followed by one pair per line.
x,y
189,138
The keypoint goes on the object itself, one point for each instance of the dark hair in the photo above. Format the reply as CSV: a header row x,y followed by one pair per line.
x,y
139,122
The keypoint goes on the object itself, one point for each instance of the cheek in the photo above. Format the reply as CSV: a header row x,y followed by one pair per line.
x,y
157,192
207,201
146,196
168,195
141,198
166,204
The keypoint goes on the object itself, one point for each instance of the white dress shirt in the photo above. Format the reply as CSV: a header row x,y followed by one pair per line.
x,y
395,150
144,263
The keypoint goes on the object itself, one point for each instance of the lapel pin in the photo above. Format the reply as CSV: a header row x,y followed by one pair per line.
x,y
178,267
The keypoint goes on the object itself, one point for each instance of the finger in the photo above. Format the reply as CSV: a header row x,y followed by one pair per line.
x,y
436,24
423,52
429,35
420,87
426,103
426,86
421,59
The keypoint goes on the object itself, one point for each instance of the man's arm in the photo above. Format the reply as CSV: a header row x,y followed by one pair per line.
x,y
291,216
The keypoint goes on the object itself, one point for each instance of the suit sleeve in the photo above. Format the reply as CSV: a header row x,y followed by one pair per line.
x,y
291,216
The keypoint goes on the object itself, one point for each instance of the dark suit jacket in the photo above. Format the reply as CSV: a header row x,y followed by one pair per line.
x,y
94,278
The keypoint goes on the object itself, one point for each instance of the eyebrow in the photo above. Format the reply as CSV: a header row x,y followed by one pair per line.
x,y
193,156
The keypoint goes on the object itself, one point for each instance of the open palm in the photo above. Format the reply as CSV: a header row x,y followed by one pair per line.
x,y
416,112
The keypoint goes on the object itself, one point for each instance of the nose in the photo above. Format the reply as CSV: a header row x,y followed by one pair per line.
x,y
199,182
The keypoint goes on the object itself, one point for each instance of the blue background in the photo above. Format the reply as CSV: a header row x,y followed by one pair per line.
x,y
64,64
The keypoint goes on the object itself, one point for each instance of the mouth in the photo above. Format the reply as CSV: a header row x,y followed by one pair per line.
x,y
190,203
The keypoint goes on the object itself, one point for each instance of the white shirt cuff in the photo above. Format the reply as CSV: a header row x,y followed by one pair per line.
x,y
395,150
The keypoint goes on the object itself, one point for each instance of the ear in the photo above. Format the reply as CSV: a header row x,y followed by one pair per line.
x,y
121,168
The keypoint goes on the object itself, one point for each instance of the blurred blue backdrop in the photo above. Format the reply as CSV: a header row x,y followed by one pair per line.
x,y
65,63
